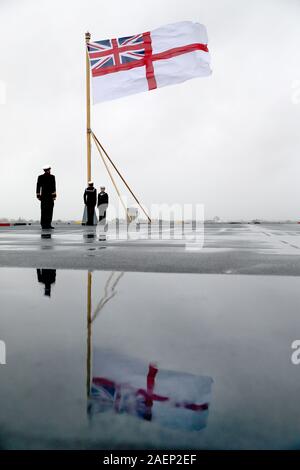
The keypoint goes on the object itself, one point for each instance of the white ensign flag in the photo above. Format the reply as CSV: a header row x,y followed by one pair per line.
x,y
128,385
171,54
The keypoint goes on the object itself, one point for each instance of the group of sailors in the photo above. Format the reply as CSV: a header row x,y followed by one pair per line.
x,y
46,193
91,200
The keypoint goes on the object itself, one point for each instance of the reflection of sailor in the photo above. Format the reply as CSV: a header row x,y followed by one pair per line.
x,y
46,193
90,200
47,277
102,204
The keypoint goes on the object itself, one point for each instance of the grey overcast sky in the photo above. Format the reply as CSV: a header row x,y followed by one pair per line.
x,y
229,141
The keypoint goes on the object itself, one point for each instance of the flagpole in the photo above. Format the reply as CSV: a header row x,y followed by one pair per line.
x,y
89,333
88,109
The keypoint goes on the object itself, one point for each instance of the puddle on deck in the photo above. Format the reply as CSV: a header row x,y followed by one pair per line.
x,y
141,360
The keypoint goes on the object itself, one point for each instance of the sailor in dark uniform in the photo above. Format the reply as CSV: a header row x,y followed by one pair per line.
x,y
47,277
46,193
90,200
102,204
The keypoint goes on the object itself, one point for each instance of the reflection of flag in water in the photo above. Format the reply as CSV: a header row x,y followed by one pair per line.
x,y
127,385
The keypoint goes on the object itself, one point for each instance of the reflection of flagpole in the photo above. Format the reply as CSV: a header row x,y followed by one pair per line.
x,y
90,318
107,296
89,333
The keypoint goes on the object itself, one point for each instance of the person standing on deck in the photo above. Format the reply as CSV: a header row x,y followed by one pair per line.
x,y
46,193
102,204
90,200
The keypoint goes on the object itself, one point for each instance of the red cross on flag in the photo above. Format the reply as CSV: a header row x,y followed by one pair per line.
x,y
129,385
171,54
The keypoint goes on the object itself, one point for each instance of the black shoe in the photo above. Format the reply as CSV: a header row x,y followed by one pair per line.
x,y
52,228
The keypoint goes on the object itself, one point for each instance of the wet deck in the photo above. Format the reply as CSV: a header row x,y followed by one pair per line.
x,y
241,248
82,344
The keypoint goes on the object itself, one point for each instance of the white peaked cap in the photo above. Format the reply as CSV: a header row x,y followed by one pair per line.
x,y
91,182
46,167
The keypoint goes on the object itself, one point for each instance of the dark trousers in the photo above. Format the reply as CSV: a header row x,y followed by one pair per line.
x,y
47,277
90,215
46,212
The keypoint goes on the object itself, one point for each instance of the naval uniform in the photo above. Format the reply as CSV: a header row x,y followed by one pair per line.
x,y
90,199
102,205
46,193
46,277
